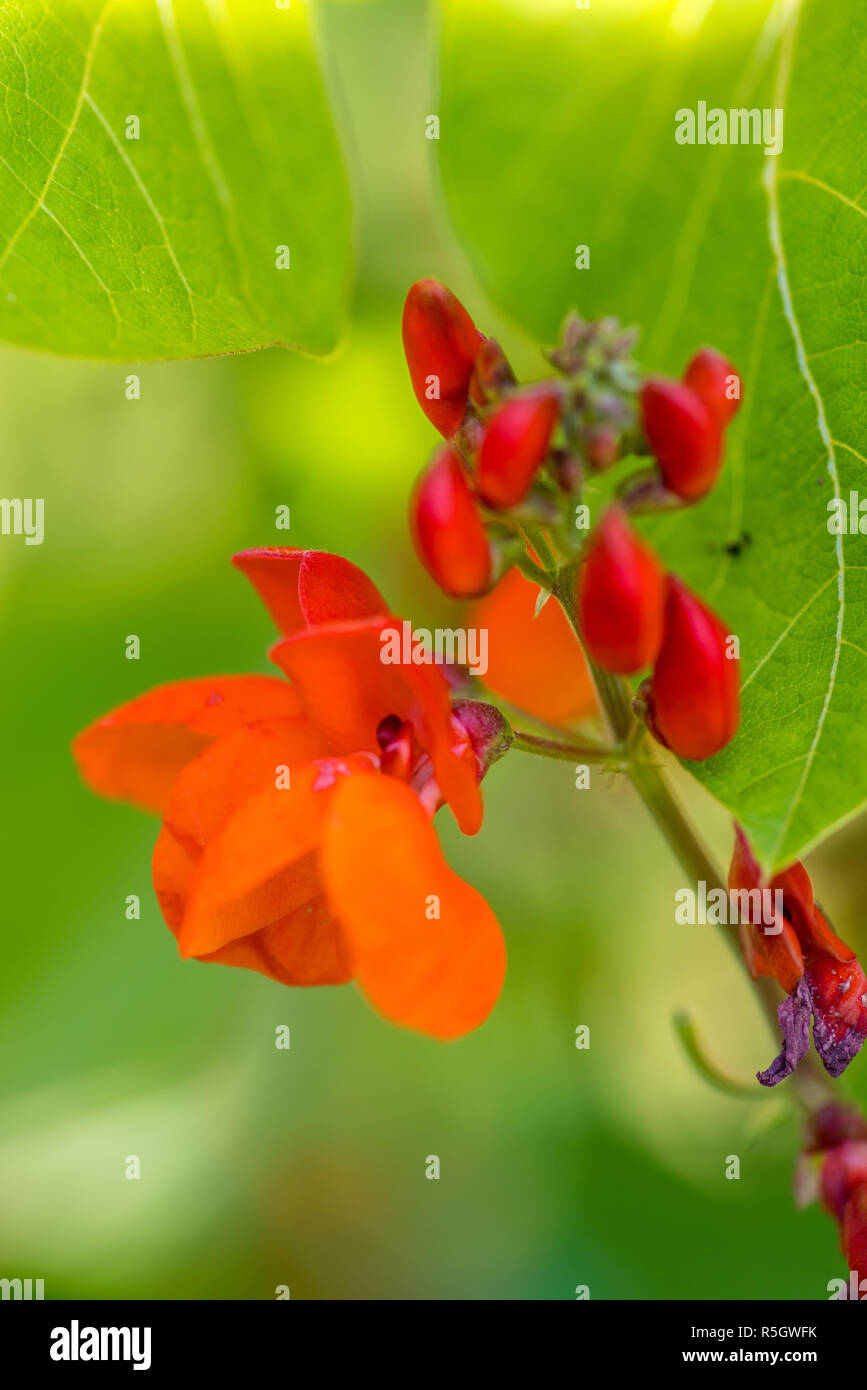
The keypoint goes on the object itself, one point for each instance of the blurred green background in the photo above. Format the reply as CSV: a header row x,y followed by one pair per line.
x,y
306,1168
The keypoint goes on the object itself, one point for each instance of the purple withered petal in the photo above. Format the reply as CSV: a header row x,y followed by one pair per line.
x,y
794,1015
836,1055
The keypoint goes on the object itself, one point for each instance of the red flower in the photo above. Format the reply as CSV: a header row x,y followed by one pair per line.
x,y
296,836
822,977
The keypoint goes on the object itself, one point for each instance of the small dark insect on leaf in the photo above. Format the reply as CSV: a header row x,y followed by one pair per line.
x,y
735,547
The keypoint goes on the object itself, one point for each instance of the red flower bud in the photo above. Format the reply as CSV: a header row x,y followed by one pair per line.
x,y
855,1230
621,597
683,435
515,443
487,728
492,373
447,529
834,1124
441,344
713,378
694,684
843,1169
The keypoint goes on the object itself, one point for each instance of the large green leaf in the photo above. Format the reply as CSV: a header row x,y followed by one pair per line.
x,y
165,245
558,130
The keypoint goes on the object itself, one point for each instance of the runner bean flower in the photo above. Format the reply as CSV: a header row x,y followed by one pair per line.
x,y
296,836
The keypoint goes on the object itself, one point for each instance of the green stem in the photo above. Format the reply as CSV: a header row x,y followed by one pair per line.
x,y
682,840
562,748
534,572
810,1084
648,782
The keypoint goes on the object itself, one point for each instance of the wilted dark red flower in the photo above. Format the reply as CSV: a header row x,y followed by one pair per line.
x,y
821,975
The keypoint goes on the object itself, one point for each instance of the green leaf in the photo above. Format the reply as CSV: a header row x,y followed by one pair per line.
x,y
166,245
541,599
762,256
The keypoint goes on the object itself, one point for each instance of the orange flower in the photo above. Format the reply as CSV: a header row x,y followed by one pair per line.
x,y
296,836
534,661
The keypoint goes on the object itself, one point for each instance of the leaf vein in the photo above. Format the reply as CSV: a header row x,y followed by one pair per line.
x,y
155,212
799,176
776,240
40,201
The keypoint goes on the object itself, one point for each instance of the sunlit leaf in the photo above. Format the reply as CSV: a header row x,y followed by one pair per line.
x,y
155,156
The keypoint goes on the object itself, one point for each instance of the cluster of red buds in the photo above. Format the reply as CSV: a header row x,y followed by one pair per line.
x,y
514,467
837,1138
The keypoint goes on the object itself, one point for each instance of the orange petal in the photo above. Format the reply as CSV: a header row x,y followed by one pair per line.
x,y
301,588
533,662
307,947
346,688
262,865
341,681
172,869
237,766
456,768
136,752
211,787
384,873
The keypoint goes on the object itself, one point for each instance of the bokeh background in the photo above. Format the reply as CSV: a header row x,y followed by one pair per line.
x,y
306,1168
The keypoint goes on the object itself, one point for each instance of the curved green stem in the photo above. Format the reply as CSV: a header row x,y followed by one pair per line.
x,y
562,748
706,1067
